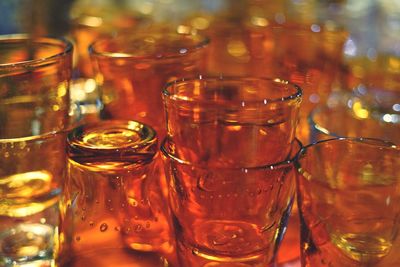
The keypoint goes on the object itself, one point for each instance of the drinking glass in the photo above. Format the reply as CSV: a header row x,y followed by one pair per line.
x,y
220,128
34,117
112,201
206,115
227,215
132,69
348,190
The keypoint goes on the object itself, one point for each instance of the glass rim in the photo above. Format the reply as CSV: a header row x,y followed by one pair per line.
x,y
296,95
315,126
33,138
274,166
203,42
361,140
18,38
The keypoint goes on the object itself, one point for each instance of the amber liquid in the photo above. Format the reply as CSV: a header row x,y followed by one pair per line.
x,y
111,204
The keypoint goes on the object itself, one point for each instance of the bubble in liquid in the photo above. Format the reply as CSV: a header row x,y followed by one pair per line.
x,y
78,238
116,228
83,217
103,227
147,224
91,223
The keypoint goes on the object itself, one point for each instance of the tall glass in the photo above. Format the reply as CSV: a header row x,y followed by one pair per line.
x,y
34,116
348,195
112,201
131,71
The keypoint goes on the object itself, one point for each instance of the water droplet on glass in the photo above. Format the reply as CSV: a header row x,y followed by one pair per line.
x,y
147,224
116,228
195,251
91,223
78,238
83,217
132,202
138,228
103,227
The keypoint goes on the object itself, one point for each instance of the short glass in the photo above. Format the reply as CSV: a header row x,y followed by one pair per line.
x,y
226,215
131,70
348,195
34,118
112,201
231,121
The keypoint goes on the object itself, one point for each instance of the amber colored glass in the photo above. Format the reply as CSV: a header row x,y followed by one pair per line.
x,y
132,70
348,195
225,215
112,202
34,106
231,121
